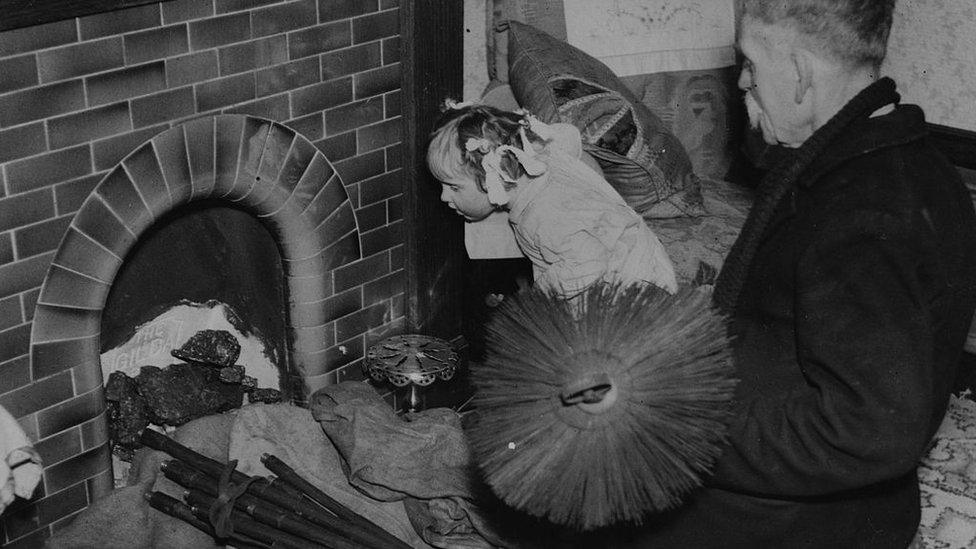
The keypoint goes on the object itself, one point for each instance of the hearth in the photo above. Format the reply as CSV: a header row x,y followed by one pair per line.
x,y
204,266
251,165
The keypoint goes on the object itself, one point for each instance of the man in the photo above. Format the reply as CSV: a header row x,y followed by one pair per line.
x,y
850,289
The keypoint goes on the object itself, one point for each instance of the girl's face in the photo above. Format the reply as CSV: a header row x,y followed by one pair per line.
x,y
464,197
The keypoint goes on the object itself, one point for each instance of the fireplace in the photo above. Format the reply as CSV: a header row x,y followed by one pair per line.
x,y
255,164
83,90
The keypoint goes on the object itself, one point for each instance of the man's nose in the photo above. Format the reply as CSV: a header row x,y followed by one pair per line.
x,y
745,81
444,195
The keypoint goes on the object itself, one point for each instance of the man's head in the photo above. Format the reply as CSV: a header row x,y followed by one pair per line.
x,y
853,32
803,59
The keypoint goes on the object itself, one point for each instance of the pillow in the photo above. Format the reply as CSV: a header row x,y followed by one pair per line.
x,y
703,109
639,156
549,16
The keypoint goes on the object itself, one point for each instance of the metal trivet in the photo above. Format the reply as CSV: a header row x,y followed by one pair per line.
x,y
411,359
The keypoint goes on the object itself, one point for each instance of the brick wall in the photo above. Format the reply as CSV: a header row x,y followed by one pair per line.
x,y
77,95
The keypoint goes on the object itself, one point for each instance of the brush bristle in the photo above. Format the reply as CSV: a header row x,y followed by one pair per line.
x,y
670,359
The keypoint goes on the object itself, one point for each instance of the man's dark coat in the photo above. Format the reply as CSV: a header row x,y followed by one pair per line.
x,y
849,327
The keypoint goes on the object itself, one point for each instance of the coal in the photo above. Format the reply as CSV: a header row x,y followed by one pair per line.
x,y
265,395
232,374
208,382
180,392
249,383
210,347
127,414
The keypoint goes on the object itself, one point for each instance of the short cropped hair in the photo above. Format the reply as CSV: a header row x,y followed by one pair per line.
x,y
854,32
447,157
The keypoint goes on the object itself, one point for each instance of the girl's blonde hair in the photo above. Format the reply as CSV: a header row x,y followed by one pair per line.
x,y
447,156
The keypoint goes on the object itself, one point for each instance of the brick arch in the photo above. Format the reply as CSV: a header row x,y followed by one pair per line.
x,y
256,164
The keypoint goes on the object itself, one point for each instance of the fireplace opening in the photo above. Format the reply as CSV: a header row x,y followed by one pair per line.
x,y
204,266
194,323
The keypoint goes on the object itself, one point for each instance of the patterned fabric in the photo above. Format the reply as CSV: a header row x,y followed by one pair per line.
x,y
638,154
694,241
701,107
676,58
948,482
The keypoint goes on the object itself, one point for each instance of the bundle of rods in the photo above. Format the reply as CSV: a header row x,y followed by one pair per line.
x,y
286,512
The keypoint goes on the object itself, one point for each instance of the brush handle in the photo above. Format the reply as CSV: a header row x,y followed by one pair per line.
x,y
377,537
593,393
588,389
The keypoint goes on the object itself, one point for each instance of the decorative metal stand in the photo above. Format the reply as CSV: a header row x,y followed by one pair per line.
x,y
411,359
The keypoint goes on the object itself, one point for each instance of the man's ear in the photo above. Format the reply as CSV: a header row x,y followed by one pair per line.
x,y
803,65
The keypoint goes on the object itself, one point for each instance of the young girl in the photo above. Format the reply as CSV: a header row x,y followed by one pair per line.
x,y
572,225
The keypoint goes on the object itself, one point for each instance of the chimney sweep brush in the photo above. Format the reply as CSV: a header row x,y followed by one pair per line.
x,y
602,409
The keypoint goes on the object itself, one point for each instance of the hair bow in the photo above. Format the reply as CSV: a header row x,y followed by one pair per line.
x,y
538,127
495,174
479,144
455,105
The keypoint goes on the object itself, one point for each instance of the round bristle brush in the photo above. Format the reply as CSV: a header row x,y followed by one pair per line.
x,y
601,409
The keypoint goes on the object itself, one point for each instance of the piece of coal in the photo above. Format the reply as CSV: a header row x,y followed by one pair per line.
x,y
266,395
214,347
180,392
232,374
249,383
127,414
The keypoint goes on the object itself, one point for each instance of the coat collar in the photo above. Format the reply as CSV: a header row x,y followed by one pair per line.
x,y
903,125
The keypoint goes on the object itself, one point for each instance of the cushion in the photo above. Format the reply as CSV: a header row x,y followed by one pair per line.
x,y
639,156
549,16
698,246
704,110
680,62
